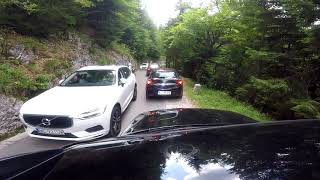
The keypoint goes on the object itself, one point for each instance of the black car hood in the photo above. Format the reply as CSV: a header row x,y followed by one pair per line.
x,y
276,150
171,117
283,151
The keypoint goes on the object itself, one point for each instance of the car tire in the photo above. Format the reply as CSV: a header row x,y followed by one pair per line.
x,y
115,121
135,93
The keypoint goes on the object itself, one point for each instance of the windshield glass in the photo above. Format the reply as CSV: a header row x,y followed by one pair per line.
x,y
91,78
164,74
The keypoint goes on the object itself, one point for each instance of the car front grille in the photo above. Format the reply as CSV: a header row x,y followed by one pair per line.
x,y
48,121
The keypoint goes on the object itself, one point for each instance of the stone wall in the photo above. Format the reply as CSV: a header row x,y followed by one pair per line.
x,y
9,112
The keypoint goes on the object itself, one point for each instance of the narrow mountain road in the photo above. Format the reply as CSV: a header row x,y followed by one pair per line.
x,y
22,143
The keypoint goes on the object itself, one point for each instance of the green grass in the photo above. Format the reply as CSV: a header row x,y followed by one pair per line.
x,y
213,99
11,134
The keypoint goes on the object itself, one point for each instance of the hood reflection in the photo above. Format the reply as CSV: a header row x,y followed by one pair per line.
x,y
178,167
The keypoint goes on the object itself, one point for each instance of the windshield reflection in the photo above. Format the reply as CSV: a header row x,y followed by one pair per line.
x,y
177,167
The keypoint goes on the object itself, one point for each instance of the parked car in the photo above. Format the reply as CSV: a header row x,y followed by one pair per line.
x,y
144,65
183,144
85,105
152,67
164,82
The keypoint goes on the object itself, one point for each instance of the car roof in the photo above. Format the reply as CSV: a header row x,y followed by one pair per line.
x,y
109,67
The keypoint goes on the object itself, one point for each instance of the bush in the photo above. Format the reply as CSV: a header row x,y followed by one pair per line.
x,y
57,67
306,109
42,81
103,61
264,94
13,81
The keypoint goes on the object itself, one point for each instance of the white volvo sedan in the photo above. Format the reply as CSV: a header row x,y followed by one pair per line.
x,y
86,105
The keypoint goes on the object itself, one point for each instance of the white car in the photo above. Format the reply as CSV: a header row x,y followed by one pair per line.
x,y
86,105
144,65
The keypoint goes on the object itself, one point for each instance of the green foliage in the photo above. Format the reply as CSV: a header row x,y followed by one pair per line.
x,y
103,61
57,67
306,109
121,49
109,21
13,81
273,40
209,98
40,17
42,81
263,93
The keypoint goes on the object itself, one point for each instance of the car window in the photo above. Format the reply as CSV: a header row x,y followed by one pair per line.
x,y
164,74
126,72
91,78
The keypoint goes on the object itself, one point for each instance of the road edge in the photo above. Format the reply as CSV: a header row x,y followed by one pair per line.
x,y
12,140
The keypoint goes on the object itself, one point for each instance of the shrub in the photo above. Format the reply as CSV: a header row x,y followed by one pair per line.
x,y
306,109
57,67
103,61
265,94
42,81
13,81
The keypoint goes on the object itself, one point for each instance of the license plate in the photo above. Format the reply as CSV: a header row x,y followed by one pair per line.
x,y
50,131
164,93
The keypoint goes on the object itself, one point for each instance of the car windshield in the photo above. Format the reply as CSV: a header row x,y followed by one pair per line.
x,y
91,78
164,74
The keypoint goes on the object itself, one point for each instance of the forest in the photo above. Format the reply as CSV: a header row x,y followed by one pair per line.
x,y
263,52
107,21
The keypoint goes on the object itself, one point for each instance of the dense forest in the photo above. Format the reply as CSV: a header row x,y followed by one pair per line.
x,y
121,21
43,28
264,52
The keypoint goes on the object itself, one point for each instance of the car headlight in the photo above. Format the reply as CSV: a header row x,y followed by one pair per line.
x,y
91,114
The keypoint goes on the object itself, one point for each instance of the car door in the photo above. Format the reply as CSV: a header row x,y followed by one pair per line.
x,y
121,88
126,88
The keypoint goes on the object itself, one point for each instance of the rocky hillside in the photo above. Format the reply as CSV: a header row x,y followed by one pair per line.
x,y
28,66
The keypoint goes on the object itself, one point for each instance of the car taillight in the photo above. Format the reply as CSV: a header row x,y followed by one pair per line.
x,y
149,82
179,82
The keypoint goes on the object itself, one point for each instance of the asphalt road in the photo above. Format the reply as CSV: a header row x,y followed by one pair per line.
x,y
22,143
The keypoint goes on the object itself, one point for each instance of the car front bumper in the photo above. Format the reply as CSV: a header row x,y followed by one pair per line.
x,y
81,130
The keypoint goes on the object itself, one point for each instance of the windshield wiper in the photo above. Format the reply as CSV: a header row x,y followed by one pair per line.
x,y
173,128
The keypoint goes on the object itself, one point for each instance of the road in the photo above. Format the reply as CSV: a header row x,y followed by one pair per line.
x,y
25,144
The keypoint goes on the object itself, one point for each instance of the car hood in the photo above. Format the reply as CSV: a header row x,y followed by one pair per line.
x,y
69,100
172,117
280,150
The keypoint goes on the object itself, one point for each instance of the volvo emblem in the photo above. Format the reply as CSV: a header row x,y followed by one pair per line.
x,y
46,122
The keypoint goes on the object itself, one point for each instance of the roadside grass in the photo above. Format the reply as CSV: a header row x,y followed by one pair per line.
x,y
214,99
11,134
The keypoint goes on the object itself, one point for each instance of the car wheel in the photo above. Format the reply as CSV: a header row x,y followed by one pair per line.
x,y
135,93
115,121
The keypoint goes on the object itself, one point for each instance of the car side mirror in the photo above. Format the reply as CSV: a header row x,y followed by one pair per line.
x,y
61,81
122,81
